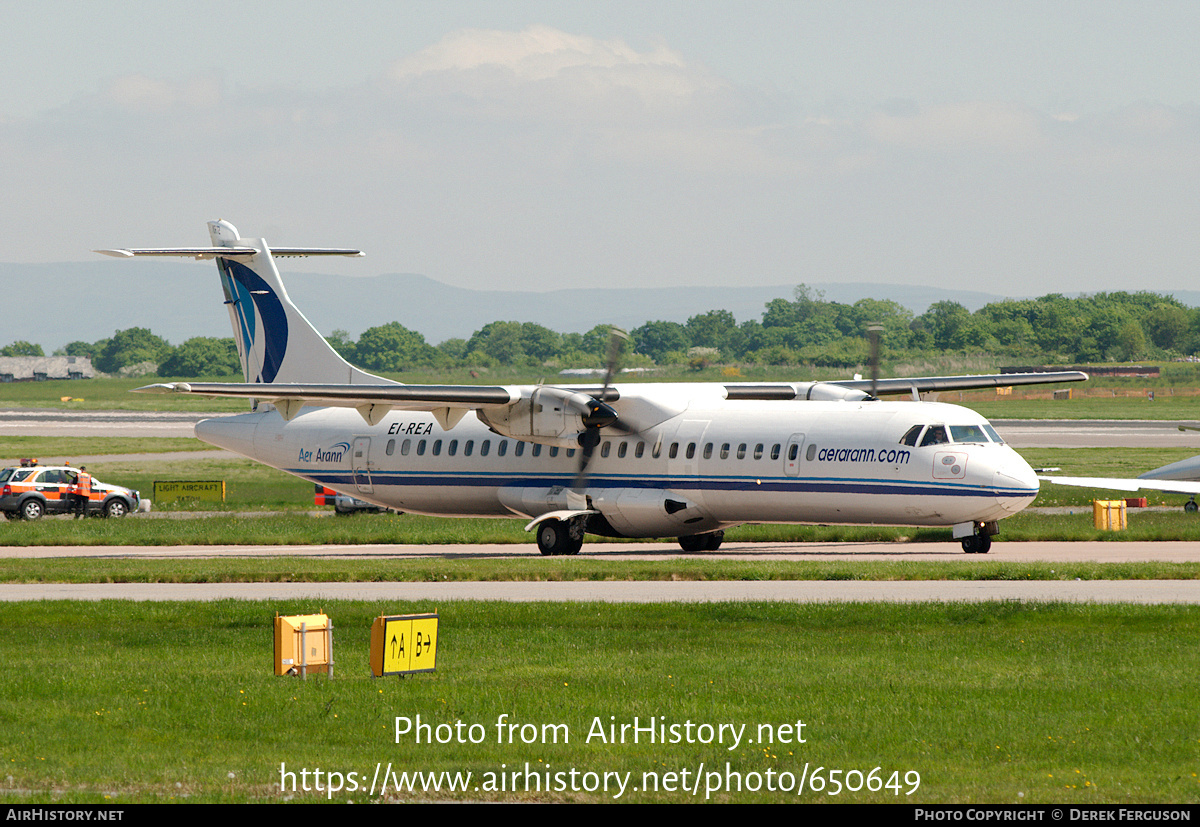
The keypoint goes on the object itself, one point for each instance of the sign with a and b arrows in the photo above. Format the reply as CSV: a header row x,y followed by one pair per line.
x,y
403,644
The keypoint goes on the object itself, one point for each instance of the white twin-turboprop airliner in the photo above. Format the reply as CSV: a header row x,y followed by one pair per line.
x,y
629,460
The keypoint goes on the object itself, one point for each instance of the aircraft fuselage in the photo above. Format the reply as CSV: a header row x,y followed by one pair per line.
x,y
712,466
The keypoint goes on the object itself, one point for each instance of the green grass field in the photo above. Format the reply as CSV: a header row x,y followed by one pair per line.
x,y
999,703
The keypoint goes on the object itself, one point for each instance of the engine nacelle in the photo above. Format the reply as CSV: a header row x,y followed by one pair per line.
x,y
826,392
550,416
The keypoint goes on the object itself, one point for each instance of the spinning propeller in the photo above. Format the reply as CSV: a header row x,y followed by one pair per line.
x,y
600,414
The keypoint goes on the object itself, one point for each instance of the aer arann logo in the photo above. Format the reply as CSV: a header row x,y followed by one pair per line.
x,y
333,453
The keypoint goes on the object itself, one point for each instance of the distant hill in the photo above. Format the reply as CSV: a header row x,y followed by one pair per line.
x,y
52,304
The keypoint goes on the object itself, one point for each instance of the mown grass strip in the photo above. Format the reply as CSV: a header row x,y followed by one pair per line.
x,y
425,570
995,702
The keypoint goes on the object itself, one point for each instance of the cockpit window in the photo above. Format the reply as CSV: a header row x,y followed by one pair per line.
x,y
968,433
992,433
936,435
911,435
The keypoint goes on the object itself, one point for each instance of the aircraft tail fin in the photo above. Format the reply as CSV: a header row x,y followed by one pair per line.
x,y
275,342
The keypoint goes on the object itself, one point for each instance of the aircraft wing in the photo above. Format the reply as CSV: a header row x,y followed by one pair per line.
x,y
448,403
922,384
1118,484
430,397
915,385
410,397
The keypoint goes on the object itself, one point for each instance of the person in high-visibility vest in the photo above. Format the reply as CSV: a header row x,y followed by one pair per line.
x,y
83,492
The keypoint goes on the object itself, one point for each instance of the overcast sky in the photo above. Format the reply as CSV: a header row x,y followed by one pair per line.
x,y
1015,147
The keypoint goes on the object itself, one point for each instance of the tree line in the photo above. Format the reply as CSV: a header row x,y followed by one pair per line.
x,y
805,330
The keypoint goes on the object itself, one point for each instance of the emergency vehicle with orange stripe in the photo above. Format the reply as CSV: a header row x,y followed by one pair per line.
x,y
29,491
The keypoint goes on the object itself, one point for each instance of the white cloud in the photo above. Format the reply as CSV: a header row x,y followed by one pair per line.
x,y
475,59
140,93
973,125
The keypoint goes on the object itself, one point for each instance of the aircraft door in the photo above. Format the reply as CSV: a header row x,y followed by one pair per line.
x,y
793,455
360,463
687,446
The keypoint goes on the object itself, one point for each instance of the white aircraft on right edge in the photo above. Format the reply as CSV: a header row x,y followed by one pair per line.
x,y
1181,477
682,460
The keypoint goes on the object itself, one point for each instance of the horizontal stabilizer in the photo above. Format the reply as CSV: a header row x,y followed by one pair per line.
x,y
205,253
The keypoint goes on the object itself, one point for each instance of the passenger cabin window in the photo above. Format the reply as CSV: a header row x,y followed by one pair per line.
x,y
691,450
537,449
502,448
775,451
519,450
708,446
674,452
421,448
742,451
605,448
936,435
484,447
405,447
391,447
912,435
468,447
622,449
554,450
639,450
758,451
811,452
724,450
453,447
437,447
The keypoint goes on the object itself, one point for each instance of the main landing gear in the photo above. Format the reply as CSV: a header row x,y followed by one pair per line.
x,y
558,537
976,537
702,542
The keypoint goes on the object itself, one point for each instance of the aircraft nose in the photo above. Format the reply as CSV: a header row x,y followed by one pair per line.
x,y
1015,484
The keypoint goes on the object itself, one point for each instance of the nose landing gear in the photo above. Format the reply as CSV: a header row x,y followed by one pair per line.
x,y
976,537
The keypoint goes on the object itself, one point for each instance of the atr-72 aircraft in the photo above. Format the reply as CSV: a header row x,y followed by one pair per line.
x,y
629,460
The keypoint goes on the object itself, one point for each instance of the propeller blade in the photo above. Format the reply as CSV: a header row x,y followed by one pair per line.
x,y
873,333
600,414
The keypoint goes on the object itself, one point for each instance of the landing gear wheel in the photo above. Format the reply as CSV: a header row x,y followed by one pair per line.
x,y
558,537
977,544
702,542
1190,506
